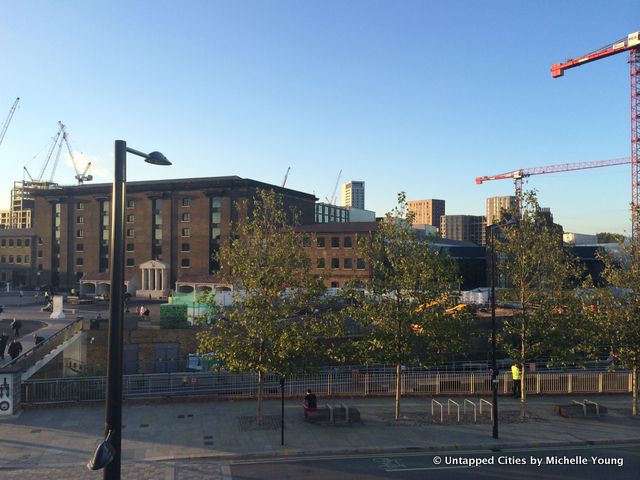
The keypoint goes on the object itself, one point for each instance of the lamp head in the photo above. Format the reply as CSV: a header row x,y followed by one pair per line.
x,y
156,158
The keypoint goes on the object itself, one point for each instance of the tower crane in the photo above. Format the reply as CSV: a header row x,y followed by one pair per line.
x,y
81,177
6,123
630,43
332,200
520,174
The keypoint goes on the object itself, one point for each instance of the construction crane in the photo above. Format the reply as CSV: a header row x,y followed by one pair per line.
x,y
520,174
286,175
81,177
6,123
332,200
630,43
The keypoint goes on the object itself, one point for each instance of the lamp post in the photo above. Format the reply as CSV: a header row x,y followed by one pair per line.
x,y
494,362
108,454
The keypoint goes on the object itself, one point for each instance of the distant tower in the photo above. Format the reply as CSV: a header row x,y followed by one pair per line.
x,y
427,212
496,205
353,194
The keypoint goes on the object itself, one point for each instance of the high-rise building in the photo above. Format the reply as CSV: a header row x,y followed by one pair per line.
x,y
353,194
468,228
427,212
496,205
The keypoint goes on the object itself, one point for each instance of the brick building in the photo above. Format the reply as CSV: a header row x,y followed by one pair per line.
x,y
17,257
427,212
172,229
465,228
333,249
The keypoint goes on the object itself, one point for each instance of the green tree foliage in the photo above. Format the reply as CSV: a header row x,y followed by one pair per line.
x,y
617,313
402,307
541,277
270,327
606,237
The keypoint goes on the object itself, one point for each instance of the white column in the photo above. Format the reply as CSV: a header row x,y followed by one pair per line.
x,y
156,279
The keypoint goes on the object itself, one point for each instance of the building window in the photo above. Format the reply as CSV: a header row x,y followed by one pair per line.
x,y
131,232
39,253
335,242
347,264
186,217
3,259
347,242
185,263
131,203
130,247
335,263
186,232
26,259
80,205
79,262
80,219
131,262
19,242
335,284
186,202
79,248
131,218
306,241
320,263
79,233
27,242
11,242
320,242
19,259
186,247
360,263
10,258
4,243
39,240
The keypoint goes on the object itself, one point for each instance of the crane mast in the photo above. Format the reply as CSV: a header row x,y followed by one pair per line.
x,y
631,44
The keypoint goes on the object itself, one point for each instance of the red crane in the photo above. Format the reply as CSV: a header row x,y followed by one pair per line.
x,y
519,175
630,43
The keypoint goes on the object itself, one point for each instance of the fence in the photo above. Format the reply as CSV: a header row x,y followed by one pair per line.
x,y
341,383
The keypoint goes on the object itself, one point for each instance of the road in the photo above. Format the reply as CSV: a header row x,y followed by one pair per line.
x,y
608,461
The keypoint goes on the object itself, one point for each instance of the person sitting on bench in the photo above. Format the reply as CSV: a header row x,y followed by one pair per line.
x,y
310,402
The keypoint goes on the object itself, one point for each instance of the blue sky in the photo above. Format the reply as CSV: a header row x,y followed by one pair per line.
x,y
414,96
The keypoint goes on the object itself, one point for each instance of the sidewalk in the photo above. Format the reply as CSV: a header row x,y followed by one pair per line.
x,y
62,439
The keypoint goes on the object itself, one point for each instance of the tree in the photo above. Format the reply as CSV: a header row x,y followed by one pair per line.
x,y
606,237
269,327
541,277
402,307
617,313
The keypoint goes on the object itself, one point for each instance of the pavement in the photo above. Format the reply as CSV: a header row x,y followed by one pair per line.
x,y
197,439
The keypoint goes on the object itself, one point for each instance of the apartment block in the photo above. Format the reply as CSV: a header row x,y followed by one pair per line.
x,y
353,194
427,212
467,228
497,205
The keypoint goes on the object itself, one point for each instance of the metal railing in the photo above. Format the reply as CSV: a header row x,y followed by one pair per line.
x,y
354,383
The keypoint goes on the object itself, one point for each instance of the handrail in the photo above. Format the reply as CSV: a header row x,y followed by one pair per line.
x,y
37,352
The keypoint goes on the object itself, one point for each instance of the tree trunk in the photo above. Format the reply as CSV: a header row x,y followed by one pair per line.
x,y
398,387
260,396
634,394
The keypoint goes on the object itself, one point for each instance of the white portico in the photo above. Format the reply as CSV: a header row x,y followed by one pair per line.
x,y
154,279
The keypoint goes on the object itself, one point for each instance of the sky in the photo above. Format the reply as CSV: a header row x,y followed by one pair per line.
x,y
408,96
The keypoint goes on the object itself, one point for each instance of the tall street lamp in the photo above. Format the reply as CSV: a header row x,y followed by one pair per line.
x,y
108,454
494,362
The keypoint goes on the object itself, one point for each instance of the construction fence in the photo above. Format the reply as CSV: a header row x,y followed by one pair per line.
x,y
352,383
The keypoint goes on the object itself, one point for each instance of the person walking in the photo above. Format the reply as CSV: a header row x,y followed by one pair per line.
x,y
517,377
16,325
4,338
15,349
